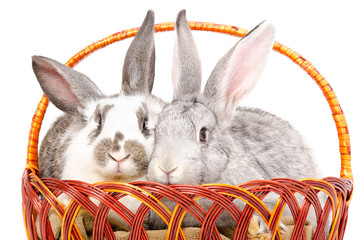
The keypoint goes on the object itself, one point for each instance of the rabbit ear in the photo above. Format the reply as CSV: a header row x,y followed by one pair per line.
x,y
186,72
139,63
66,88
238,71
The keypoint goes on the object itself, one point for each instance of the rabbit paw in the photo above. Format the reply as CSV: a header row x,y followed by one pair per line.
x,y
282,227
258,229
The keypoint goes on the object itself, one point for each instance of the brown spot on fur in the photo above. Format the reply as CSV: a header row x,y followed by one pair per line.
x,y
117,138
138,154
142,117
105,146
101,151
116,147
99,116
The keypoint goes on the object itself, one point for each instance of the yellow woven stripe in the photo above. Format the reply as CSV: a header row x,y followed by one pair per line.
x,y
179,229
149,195
325,191
273,215
38,180
71,222
242,199
141,190
334,221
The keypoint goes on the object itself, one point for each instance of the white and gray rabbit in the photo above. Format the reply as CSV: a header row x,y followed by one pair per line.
x,y
99,137
206,138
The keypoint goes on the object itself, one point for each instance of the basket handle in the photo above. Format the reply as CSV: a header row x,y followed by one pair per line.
x,y
329,94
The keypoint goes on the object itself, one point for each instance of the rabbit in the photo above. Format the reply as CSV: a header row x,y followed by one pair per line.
x,y
207,138
99,137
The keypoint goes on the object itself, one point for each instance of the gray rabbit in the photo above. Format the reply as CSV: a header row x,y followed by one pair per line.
x,y
206,138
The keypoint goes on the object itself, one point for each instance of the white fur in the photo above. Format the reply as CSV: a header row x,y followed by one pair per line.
x,y
79,161
80,164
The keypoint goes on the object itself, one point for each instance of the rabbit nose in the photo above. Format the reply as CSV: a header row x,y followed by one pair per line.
x,y
168,171
117,157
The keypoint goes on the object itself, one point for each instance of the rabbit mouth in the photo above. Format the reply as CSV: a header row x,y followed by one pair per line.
x,y
118,168
168,174
117,159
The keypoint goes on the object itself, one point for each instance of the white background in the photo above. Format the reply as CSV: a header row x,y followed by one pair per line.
x,y
325,32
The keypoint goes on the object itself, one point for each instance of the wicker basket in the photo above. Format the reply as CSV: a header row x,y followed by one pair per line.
x,y
339,190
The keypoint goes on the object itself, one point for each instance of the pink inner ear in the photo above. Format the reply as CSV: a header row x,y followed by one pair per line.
x,y
60,88
239,76
246,64
68,94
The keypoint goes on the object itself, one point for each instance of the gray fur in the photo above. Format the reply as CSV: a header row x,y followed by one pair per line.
x,y
139,66
100,115
246,145
143,118
139,154
186,59
51,153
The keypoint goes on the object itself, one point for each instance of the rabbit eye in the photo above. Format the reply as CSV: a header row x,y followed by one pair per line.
x,y
203,135
144,124
145,129
99,121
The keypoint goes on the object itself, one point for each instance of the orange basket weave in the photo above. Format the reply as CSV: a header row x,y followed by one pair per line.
x,y
40,195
